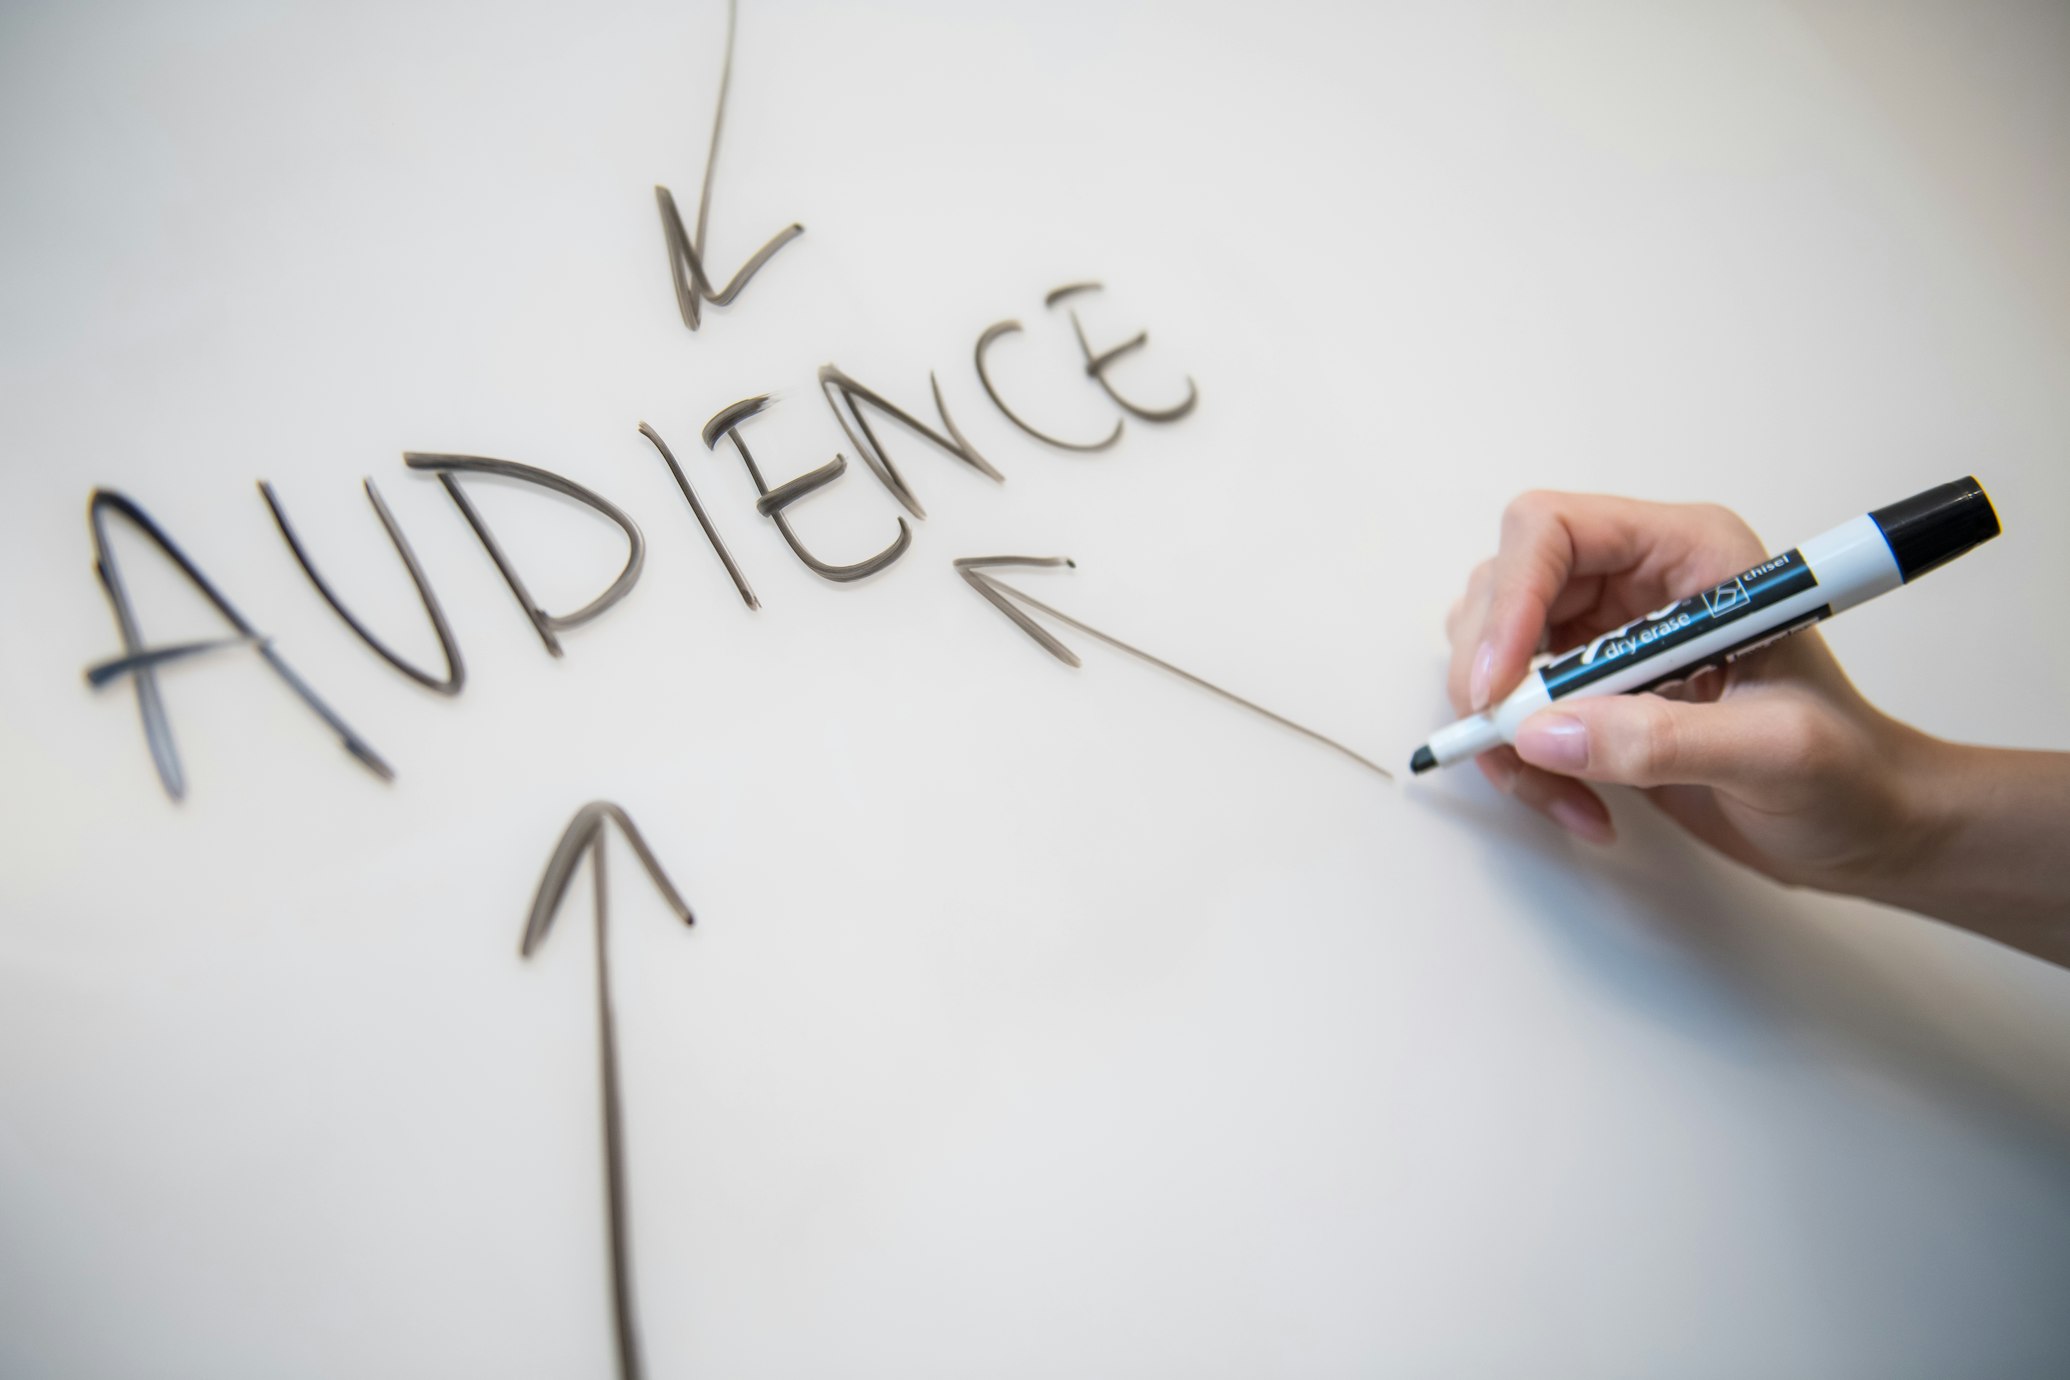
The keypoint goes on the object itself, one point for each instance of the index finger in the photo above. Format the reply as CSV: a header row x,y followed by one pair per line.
x,y
1550,539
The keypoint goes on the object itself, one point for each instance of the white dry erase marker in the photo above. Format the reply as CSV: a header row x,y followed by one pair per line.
x,y
1856,561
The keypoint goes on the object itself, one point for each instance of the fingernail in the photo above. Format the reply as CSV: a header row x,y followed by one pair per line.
x,y
1580,821
1483,672
1557,742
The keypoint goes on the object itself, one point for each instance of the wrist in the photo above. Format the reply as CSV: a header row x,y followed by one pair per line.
x,y
1934,783
1981,843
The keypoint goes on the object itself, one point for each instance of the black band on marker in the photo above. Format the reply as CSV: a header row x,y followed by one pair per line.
x,y
1726,655
1774,580
1933,528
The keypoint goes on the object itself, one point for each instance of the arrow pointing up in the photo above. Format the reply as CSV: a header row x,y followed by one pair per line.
x,y
585,835
1004,596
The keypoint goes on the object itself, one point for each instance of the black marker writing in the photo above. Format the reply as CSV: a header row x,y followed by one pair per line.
x,y
1097,364
846,396
446,467
584,836
711,533
971,568
456,670
139,662
850,401
985,341
105,673
686,251
726,422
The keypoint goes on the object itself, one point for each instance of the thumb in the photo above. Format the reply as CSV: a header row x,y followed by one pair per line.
x,y
1748,746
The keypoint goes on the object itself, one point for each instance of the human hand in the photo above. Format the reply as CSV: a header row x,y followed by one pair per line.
x,y
1775,759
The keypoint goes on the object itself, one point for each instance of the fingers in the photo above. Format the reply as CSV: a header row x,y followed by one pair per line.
x,y
1532,564
1463,627
1568,803
1583,594
1576,565
1755,747
1563,555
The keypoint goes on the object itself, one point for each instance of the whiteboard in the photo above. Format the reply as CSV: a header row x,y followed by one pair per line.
x,y
1035,1021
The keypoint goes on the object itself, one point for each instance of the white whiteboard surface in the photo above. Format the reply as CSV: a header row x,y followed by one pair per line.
x,y
1036,1022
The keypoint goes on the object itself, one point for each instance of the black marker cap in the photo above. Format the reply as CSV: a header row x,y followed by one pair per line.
x,y
1935,527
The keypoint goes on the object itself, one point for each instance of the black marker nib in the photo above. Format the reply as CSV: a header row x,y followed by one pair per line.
x,y
1423,761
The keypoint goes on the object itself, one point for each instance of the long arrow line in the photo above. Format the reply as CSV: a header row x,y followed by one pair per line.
x,y
686,251
585,836
991,586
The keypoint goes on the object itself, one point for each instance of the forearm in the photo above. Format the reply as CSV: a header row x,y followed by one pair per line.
x,y
1992,853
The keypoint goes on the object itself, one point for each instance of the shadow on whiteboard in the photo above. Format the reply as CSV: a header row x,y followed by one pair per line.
x,y
1771,977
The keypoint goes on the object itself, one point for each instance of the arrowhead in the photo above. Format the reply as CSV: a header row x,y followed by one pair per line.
x,y
585,831
1002,597
971,569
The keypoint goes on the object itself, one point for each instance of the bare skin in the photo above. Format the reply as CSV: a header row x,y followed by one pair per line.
x,y
1776,761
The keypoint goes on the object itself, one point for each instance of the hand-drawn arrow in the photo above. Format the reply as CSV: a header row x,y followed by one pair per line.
x,y
585,833
686,251
995,592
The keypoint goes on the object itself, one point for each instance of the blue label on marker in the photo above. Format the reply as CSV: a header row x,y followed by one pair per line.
x,y
1768,583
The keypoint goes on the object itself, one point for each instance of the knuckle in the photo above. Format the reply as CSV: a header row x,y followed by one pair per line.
x,y
1533,787
1527,510
1730,526
1500,769
1802,736
1656,747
